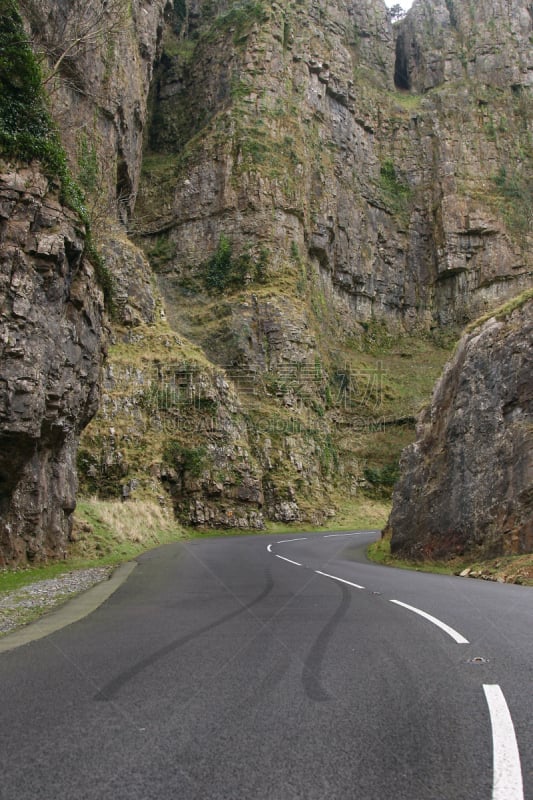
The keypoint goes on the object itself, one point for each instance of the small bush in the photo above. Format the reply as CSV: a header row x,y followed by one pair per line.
x,y
224,271
383,477
396,193
185,459
516,191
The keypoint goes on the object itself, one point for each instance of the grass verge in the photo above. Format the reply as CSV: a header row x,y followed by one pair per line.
x,y
504,569
105,533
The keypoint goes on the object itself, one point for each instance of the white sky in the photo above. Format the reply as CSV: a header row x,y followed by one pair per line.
x,y
404,3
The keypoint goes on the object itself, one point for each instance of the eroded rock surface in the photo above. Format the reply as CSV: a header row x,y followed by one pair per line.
x,y
466,484
50,356
281,127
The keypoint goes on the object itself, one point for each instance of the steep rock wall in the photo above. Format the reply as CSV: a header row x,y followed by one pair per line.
x,y
99,59
450,41
50,355
280,126
466,484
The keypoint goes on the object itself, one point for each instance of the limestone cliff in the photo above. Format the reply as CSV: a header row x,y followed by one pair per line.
x,y
50,354
298,203
302,182
466,484
98,61
280,126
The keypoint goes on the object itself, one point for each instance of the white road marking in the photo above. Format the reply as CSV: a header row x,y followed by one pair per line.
x,y
269,548
288,559
334,577
302,539
442,625
507,772
331,535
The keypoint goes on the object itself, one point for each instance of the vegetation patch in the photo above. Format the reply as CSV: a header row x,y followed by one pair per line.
x,y
191,460
26,127
506,569
515,188
27,131
396,192
225,271
382,479
502,311
239,19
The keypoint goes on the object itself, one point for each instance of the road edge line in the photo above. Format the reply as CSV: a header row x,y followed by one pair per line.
x,y
296,563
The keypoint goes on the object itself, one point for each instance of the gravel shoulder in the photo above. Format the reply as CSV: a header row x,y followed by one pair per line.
x,y
30,602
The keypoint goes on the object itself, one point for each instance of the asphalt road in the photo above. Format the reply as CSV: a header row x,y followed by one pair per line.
x,y
222,670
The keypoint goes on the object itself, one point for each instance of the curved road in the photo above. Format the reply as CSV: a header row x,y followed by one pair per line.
x,y
276,668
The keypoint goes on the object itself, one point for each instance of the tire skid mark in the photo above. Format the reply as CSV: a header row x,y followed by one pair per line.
x,y
311,679
111,689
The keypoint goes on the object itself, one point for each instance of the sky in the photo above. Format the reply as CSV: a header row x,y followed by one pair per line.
x,y
404,3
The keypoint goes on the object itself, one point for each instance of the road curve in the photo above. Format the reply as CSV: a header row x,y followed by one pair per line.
x,y
273,668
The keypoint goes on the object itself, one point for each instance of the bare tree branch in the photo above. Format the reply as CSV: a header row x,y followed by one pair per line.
x,y
61,36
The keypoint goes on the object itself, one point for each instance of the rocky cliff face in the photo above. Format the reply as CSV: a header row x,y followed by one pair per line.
x,y
450,41
281,126
466,484
50,353
350,179
99,59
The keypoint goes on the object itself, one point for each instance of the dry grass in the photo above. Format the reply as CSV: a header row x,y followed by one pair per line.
x,y
113,531
138,521
106,532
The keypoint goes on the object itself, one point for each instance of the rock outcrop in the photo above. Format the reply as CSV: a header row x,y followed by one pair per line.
x,y
51,337
443,41
466,484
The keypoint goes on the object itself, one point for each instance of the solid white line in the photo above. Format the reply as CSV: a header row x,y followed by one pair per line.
x,y
334,577
288,559
507,773
302,539
331,535
442,625
269,548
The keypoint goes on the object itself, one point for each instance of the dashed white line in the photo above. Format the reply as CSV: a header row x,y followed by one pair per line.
x,y
332,535
442,625
288,559
301,539
507,772
334,577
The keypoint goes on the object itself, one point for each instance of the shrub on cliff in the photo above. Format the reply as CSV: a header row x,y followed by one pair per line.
x,y
26,128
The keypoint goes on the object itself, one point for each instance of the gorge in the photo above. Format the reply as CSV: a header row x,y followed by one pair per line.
x,y
294,209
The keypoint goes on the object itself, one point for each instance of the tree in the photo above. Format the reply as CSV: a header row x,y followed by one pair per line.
x,y
396,12
67,30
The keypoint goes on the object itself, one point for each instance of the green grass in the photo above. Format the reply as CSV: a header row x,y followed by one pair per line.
x,y
107,534
10,580
512,569
380,553
502,311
